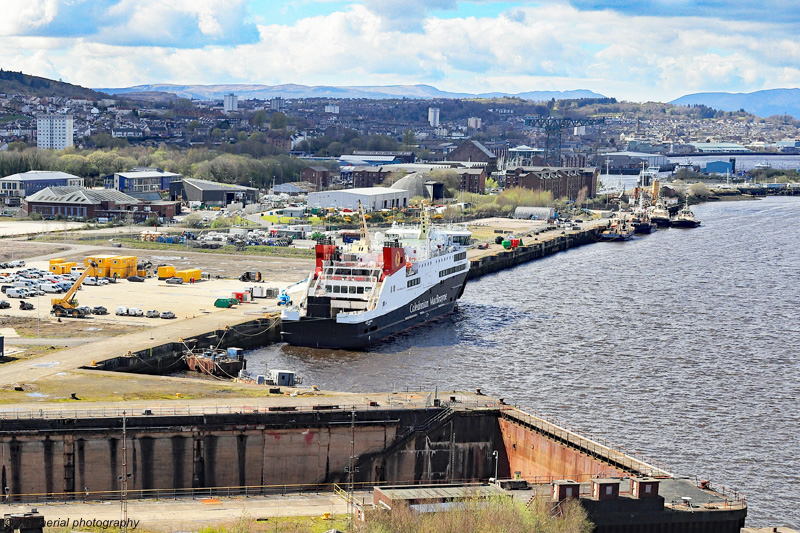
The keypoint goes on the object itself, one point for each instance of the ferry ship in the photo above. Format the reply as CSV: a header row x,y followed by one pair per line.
x,y
363,294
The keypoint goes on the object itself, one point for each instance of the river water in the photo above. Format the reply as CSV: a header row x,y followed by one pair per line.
x,y
681,345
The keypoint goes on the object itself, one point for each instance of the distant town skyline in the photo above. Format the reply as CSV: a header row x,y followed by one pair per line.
x,y
654,50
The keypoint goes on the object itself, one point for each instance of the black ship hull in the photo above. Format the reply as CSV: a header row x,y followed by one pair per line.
x,y
316,332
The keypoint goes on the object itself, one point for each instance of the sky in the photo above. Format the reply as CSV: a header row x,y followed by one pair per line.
x,y
646,50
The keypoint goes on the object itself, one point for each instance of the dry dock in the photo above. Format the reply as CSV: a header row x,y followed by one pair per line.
x,y
295,445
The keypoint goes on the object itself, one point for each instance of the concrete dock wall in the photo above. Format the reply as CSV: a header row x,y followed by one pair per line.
x,y
529,252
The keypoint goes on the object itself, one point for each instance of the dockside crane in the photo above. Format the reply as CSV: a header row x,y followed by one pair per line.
x,y
552,127
67,305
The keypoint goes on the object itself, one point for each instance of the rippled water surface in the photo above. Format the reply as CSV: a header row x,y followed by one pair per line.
x,y
682,345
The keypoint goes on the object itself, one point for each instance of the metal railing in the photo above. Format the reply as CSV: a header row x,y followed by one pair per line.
x,y
199,410
592,443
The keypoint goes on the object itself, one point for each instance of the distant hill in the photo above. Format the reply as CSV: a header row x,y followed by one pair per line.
x,y
19,83
762,103
245,91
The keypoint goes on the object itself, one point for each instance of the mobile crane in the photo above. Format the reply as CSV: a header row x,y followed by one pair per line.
x,y
68,306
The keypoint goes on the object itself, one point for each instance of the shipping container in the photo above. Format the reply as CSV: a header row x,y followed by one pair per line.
x,y
166,271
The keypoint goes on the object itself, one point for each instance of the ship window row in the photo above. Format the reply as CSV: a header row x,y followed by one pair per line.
x,y
343,289
460,256
451,270
354,272
413,282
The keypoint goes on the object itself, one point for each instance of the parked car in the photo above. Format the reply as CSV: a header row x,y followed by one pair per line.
x,y
167,314
4,304
175,281
121,311
99,310
95,281
135,311
152,314
85,309
17,292
137,279
25,306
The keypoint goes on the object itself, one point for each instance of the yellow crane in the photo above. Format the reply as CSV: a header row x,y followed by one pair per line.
x,y
68,305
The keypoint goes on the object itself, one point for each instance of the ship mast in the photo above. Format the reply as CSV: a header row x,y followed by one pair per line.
x,y
363,220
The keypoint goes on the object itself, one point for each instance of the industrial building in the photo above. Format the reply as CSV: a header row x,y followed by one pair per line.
x,y
474,154
88,204
563,182
372,198
141,179
17,186
211,193
54,131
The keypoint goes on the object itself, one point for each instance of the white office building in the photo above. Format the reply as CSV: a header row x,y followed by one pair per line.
x,y
53,132
230,103
433,117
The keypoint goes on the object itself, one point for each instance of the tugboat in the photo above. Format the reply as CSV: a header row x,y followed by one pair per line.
x,y
659,215
619,230
685,218
216,361
365,293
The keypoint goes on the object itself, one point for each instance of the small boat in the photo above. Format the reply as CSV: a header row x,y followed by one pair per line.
x,y
216,361
643,225
685,218
659,215
619,230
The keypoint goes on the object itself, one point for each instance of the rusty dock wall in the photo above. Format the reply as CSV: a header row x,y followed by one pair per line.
x,y
168,357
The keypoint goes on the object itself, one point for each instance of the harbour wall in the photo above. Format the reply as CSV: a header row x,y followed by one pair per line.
x,y
168,357
529,252
82,458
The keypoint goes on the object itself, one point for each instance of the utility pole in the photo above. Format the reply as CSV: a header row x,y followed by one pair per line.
x,y
351,466
124,492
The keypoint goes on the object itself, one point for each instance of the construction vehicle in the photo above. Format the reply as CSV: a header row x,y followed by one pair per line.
x,y
68,305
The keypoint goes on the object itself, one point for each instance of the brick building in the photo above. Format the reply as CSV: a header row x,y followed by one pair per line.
x,y
472,180
563,182
88,204
319,176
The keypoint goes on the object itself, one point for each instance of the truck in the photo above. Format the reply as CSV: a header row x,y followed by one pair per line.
x,y
251,275
68,305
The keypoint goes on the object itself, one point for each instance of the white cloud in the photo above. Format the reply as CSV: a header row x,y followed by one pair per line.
x,y
19,16
553,46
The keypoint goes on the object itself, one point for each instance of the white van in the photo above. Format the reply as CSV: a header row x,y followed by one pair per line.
x,y
27,284
135,311
18,292
50,287
121,311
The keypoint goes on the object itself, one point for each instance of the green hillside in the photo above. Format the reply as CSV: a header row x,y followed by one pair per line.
x,y
19,83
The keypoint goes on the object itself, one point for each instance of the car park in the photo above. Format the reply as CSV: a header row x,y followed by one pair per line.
x,y
152,314
167,314
175,281
99,310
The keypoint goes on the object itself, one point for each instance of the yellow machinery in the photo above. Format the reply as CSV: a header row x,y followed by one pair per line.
x,y
68,306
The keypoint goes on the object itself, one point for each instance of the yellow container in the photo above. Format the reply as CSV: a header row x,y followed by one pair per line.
x,y
142,273
101,272
166,271
57,260
187,275
57,268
